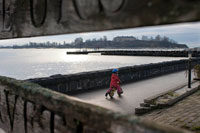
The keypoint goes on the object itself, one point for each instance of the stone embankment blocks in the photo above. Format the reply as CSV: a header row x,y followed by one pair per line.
x,y
166,99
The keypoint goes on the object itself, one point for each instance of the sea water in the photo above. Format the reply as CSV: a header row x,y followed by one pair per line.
x,y
34,63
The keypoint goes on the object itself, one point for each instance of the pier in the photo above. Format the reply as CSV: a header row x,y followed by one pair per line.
x,y
164,53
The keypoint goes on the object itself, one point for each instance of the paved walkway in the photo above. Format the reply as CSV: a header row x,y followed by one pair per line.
x,y
135,93
184,114
2,131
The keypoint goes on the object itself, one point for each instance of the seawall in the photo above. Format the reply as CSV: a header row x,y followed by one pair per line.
x,y
99,79
175,53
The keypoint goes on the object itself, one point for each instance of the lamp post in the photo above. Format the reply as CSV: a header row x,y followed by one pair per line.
x,y
189,68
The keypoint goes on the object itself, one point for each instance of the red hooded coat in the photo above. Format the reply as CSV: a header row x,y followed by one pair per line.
x,y
114,81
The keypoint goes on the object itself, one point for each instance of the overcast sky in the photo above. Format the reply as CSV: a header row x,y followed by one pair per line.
x,y
184,33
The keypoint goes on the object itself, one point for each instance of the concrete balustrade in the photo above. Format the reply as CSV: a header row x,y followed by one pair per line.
x,y
29,108
98,79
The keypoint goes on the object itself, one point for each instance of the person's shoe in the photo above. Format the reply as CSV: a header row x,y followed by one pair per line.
x,y
119,94
106,94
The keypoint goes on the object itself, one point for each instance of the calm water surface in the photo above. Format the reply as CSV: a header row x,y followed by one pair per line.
x,y
32,63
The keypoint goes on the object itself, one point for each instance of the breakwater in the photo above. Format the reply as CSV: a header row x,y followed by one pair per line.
x,y
99,79
175,53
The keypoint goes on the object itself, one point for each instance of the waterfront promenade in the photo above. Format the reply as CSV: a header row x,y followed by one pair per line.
x,y
135,93
1,131
184,114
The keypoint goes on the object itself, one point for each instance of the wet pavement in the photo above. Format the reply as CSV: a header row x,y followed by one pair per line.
x,y
134,93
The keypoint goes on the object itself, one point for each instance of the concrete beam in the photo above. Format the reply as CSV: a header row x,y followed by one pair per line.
x,y
25,18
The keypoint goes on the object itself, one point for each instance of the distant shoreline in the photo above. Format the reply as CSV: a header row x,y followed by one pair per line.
x,y
103,48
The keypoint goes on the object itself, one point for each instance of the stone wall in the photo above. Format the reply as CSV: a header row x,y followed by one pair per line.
x,y
98,79
29,108
166,53
152,53
31,18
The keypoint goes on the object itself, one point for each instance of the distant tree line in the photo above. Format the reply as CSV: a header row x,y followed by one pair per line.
x,y
117,42
159,38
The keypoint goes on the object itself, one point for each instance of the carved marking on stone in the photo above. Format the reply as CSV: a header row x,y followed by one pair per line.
x,y
52,122
11,114
60,11
79,126
6,16
25,116
38,12
112,5
87,8
1,14
40,115
1,118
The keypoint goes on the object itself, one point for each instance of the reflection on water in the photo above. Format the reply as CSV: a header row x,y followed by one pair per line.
x,y
31,63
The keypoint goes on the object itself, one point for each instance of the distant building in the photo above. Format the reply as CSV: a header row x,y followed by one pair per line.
x,y
124,38
145,38
195,49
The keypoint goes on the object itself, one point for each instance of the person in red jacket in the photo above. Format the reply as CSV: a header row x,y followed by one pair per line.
x,y
115,83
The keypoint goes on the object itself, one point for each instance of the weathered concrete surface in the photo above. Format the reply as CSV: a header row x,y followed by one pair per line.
x,y
135,93
25,18
184,114
2,131
167,98
27,107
